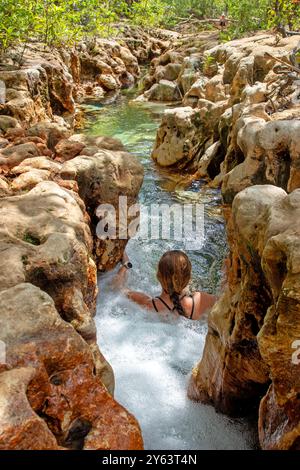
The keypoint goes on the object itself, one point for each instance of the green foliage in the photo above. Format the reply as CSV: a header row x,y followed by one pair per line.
x,y
148,12
57,22
284,13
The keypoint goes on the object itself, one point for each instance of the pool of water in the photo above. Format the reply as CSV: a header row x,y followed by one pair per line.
x,y
152,357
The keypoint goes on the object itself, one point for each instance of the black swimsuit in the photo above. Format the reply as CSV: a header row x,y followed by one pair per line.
x,y
174,308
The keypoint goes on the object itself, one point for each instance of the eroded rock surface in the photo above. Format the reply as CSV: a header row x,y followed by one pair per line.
x,y
56,388
50,393
249,351
240,120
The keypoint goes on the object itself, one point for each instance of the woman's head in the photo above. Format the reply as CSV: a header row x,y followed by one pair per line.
x,y
174,271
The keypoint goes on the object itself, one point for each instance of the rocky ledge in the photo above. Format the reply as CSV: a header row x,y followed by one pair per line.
x,y
250,354
239,122
56,388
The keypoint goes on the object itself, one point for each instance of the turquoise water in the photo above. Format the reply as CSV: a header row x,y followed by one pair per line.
x,y
152,356
135,124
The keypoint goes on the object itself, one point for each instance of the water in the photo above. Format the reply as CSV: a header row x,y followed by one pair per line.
x,y
152,356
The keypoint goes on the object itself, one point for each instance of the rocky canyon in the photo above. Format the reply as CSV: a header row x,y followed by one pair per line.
x,y
233,122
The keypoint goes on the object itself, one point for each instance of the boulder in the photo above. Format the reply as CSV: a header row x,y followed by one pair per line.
x,y
108,82
28,180
177,138
8,122
20,427
13,155
51,364
165,91
96,143
67,149
102,179
51,242
51,132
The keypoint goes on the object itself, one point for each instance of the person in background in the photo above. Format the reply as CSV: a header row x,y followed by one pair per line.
x,y
174,274
223,21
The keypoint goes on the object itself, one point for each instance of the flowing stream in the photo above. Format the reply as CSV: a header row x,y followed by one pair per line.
x,y
153,356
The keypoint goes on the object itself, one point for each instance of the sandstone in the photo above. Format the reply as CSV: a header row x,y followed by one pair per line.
x,y
29,179
7,122
102,179
21,428
60,383
108,82
98,142
253,327
3,143
169,72
67,149
4,187
15,133
177,138
232,85
12,156
165,90
49,131
39,163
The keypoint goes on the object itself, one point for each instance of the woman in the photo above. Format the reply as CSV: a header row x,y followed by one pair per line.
x,y
174,274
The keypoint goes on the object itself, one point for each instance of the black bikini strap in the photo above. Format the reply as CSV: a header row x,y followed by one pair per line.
x,y
154,305
193,307
165,304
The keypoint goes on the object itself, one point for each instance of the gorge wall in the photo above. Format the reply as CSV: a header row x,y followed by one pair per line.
x,y
56,388
238,127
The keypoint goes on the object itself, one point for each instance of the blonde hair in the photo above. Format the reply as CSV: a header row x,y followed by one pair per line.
x,y
174,273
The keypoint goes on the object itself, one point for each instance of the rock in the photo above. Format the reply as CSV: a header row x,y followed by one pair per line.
x,y
67,149
15,133
163,91
127,80
52,241
102,179
8,122
29,179
49,131
39,163
4,187
20,427
208,164
168,72
12,156
275,146
232,85
108,82
250,340
98,142
3,143
177,138
60,384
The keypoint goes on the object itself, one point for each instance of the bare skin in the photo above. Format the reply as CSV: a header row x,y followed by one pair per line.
x,y
203,301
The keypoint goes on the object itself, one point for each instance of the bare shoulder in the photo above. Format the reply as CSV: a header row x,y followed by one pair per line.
x,y
203,302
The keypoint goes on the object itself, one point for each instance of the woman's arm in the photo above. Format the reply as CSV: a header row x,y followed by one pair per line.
x,y
120,281
140,298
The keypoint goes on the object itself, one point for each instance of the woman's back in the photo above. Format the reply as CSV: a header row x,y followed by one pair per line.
x,y
192,306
